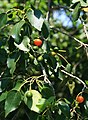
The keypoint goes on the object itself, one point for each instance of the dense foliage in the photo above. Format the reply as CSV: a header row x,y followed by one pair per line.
x,y
43,60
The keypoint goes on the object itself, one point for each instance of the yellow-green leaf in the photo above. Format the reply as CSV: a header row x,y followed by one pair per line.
x,y
33,101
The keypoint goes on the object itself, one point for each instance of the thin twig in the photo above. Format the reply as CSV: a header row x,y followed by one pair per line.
x,y
75,77
77,40
46,80
45,75
85,30
62,58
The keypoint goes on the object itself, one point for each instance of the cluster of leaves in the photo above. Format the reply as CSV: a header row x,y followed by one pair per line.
x,y
33,85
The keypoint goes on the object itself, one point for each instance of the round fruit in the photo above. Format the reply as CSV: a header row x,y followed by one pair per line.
x,y
53,53
40,58
80,99
31,57
37,42
28,94
35,48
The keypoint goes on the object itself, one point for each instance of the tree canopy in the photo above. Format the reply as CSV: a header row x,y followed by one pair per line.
x,y
43,59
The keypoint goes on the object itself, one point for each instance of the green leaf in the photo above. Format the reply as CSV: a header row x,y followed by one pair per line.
x,y
11,64
75,1
33,101
18,85
68,67
12,60
51,60
3,19
83,4
45,29
15,32
12,102
36,21
76,12
42,104
24,44
4,58
61,75
64,107
3,96
32,115
47,91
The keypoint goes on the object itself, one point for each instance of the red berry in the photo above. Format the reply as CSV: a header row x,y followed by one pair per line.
x,y
37,42
80,99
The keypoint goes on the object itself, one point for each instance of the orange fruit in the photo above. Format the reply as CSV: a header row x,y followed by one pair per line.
x,y
80,99
37,42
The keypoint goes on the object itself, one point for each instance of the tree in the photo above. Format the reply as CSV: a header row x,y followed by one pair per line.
x,y
43,63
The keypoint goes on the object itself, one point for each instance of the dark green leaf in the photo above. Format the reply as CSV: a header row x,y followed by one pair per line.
x,y
51,60
86,90
12,101
60,117
50,101
47,91
32,115
37,13
64,107
4,54
6,80
45,29
3,19
86,103
76,12
18,85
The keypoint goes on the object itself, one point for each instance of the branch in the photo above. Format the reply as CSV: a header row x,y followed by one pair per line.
x,y
60,6
75,77
77,40
49,7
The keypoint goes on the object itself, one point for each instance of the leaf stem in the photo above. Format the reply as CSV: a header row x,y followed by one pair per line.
x,y
63,58
75,77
